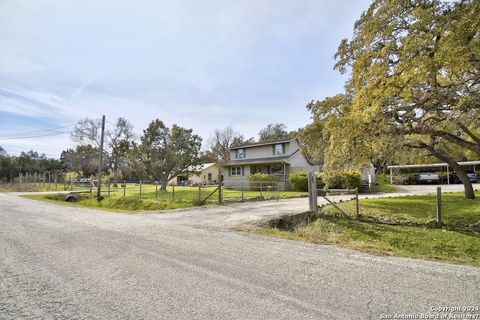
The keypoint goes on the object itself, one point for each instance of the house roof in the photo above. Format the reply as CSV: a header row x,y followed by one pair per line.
x,y
264,143
206,166
273,159
432,165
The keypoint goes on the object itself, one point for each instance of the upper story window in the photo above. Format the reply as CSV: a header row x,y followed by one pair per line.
x,y
240,154
279,149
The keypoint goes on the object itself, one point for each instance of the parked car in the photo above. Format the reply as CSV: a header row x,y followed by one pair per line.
x,y
471,176
82,180
428,177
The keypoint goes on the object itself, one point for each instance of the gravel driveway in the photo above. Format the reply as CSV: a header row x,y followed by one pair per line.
x,y
69,263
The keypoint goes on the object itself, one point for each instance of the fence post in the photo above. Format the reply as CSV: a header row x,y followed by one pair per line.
x,y
312,192
140,189
173,191
439,207
357,204
199,195
261,189
109,183
91,189
71,184
124,187
243,188
156,190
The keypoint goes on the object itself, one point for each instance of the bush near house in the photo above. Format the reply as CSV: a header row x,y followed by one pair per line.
x,y
342,179
299,180
255,179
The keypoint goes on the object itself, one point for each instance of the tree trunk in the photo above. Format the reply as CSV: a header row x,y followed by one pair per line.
x,y
469,193
468,188
163,185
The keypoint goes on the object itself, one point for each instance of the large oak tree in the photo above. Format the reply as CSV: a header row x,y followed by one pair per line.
x,y
414,84
168,152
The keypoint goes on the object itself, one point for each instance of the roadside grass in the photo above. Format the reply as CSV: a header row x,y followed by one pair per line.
x,y
383,184
151,200
458,242
129,204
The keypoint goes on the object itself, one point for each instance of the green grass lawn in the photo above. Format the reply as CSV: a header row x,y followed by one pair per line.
x,y
383,184
153,200
450,244
457,211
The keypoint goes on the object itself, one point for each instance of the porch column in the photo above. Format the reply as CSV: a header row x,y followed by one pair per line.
x,y
448,174
391,175
284,173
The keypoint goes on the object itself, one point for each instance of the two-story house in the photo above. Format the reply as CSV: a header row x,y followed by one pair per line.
x,y
279,158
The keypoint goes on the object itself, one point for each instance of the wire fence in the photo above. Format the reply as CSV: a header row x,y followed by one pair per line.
x,y
441,209
228,191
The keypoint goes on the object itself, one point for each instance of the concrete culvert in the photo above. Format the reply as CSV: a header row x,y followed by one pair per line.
x,y
72,198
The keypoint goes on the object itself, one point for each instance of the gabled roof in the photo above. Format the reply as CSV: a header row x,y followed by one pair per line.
x,y
273,159
206,166
264,143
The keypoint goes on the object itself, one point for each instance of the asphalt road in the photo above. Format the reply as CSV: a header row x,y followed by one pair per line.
x,y
68,263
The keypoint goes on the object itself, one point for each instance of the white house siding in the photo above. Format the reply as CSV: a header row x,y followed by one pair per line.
x,y
236,182
299,163
258,155
256,152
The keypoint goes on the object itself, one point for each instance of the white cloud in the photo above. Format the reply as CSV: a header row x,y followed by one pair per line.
x,y
201,64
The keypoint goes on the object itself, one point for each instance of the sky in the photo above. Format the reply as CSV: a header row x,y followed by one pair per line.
x,y
201,64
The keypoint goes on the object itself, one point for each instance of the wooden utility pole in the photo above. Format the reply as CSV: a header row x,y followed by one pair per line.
x,y
100,166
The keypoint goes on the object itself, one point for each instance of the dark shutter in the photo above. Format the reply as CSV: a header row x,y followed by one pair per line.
x,y
283,148
273,149
243,170
229,171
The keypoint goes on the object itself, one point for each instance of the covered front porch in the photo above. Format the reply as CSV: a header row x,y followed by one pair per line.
x,y
278,169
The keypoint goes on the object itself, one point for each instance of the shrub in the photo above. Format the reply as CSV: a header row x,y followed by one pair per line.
x,y
299,180
342,179
254,179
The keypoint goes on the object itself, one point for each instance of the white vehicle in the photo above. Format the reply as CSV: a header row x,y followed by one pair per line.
x,y
428,177
83,180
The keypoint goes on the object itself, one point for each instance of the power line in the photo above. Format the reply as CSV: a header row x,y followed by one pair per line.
x,y
36,136
34,132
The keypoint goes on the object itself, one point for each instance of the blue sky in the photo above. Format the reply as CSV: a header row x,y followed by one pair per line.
x,y
202,64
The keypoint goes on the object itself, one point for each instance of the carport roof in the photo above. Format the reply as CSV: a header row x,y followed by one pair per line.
x,y
432,165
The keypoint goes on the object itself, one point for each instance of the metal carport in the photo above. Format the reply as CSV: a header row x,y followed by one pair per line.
x,y
473,164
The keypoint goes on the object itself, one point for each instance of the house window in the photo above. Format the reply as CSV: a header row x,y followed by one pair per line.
x,y
209,176
276,169
279,149
236,171
240,153
259,169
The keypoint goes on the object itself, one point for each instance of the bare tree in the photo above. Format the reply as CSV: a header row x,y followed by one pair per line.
x,y
118,142
87,131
